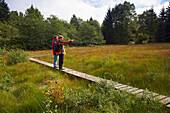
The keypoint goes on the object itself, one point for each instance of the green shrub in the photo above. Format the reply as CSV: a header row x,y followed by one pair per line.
x,y
5,81
16,56
2,53
102,97
142,38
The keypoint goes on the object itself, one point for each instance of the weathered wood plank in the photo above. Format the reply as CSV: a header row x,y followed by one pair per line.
x,y
168,106
131,90
119,85
166,100
154,94
126,88
138,91
122,86
160,97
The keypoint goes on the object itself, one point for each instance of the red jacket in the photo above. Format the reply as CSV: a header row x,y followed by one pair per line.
x,y
62,43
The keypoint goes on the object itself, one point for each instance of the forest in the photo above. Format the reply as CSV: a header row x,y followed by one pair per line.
x,y
121,25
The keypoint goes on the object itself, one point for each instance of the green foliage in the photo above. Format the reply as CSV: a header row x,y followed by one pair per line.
x,y
107,28
54,97
89,35
2,53
167,28
148,24
23,96
102,97
4,11
9,36
5,81
16,56
142,38
160,33
116,26
77,22
29,97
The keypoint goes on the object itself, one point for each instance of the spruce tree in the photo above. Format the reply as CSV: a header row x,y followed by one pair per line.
x,y
148,24
160,33
167,27
4,11
107,28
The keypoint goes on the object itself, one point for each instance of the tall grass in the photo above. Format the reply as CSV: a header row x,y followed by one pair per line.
x,y
142,66
22,86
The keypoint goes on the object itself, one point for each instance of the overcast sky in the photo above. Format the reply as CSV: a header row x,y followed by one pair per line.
x,y
97,9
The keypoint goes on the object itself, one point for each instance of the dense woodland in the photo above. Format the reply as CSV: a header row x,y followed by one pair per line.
x,y
121,25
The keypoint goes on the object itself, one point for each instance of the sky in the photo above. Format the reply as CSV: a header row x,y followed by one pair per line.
x,y
97,9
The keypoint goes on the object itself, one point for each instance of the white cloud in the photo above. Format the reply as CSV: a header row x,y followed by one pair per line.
x,y
84,9
65,9
145,3
157,8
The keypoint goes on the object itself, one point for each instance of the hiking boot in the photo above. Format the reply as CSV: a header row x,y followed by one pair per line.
x,y
55,67
61,69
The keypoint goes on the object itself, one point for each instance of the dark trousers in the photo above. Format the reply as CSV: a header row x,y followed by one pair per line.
x,y
61,59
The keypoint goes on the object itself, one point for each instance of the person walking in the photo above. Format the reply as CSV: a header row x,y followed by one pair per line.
x,y
62,51
55,38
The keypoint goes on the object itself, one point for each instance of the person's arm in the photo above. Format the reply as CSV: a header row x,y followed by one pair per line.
x,y
65,42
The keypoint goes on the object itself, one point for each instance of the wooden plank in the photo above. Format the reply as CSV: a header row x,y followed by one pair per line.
x,y
154,94
122,86
160,97
131,90
138,91
168,106
126,88
165,101
118,86
148,94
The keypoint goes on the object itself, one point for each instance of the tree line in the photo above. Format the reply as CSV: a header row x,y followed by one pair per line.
x,y
122,25
30,31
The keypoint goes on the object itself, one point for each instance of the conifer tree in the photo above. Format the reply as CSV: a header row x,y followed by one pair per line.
x,y
4,11
167,27
160,33
107,28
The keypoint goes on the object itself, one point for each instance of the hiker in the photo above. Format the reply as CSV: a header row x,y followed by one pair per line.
x,y
55,38
62,51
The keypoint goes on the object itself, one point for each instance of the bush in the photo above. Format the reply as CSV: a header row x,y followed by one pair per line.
x,y
5,81
2,58
2,51
102,97
142,38
16,56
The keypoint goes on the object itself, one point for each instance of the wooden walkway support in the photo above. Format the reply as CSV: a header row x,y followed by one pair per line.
x,y
163,99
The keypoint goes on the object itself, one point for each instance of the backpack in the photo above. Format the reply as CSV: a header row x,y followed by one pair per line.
x,y
57,46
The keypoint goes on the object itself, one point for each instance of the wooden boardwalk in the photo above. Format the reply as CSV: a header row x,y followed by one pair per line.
x,y
163,99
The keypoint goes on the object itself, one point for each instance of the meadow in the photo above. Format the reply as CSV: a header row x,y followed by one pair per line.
x,y
28,87
143,66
